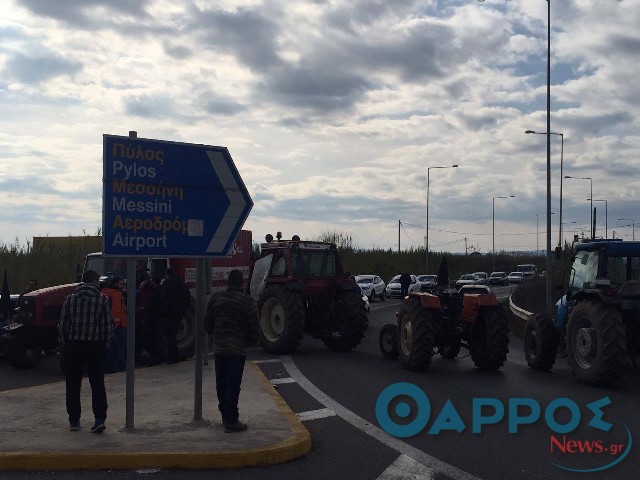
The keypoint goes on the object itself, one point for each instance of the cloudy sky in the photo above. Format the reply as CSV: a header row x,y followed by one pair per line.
x,y
333,111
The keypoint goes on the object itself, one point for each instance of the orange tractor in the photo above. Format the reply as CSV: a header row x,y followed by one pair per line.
x,y
442,321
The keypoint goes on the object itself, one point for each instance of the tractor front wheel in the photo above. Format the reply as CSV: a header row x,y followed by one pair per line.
x,y
489,342
596,342
541,339
416,331
22,349
281,319
388,341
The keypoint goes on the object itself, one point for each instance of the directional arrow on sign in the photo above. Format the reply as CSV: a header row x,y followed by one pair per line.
x,y
237,203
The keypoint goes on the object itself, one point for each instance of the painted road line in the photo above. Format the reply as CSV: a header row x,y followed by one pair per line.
x,y
269,360
280,381
405,467
315,414
432,464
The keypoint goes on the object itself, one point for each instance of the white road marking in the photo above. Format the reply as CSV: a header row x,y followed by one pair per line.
x,y
268,360
406,468
431,464
315,414
280,381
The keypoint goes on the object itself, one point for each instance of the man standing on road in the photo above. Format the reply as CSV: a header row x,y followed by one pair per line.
x,y
405,281
84,331
232,317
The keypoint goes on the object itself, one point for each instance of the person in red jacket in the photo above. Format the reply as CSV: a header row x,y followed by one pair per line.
x,y
117,351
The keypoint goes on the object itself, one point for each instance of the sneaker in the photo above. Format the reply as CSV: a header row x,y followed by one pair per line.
x,y
98,427
74,426
235,427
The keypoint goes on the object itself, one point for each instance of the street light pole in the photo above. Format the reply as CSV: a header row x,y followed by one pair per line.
x,y
633,226
561,135
426,241
590,198
549,275
493,249
606,216
537,215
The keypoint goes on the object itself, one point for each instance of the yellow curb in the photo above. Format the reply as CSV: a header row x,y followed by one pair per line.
x,y
298,445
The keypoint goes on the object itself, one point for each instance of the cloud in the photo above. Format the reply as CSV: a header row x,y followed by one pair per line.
x,y
39,68
84,13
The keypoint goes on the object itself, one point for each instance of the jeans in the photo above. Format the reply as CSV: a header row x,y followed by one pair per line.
x,y
229,369
79,354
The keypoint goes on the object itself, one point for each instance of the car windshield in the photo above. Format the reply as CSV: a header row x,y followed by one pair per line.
x,y
427,278
395,279
364,279
498,274
516,274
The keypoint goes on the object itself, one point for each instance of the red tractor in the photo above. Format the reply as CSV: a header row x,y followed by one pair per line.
x,y
442,321
301,288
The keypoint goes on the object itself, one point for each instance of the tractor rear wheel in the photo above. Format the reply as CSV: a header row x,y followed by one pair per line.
x,y
596,342
541,339
281,319
416,331
349,323
489,343
388,341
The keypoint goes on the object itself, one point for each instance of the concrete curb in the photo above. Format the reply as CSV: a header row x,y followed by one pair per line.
x,y
297,445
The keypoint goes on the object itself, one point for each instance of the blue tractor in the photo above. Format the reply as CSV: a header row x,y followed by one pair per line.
x,y
597,321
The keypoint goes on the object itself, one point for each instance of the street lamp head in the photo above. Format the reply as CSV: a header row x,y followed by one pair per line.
x,y
454,166
529,131
568,176
511,196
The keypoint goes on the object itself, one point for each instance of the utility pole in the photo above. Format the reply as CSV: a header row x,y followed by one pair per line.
x,y
465,245
399,223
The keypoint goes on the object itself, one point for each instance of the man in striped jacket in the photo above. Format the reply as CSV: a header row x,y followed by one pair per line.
x,y
84,331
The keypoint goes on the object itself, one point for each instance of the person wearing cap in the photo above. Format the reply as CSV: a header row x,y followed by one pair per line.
x,y
232,318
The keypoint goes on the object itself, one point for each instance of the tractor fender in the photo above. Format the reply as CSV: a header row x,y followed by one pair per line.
x,y
472,304
428,300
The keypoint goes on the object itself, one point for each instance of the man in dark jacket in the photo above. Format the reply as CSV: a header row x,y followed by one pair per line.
x,y
174,302
405,281
84,331
232,317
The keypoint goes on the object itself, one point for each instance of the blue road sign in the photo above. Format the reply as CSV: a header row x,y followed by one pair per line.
x,y
165,198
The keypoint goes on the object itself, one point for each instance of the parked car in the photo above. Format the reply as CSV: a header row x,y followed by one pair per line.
x,y
466,279
394,290
372,286
483,277
515,278
14,304
498,278
427,281
475,289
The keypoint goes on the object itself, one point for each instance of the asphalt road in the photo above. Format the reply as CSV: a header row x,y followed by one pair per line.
x,y
337,392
